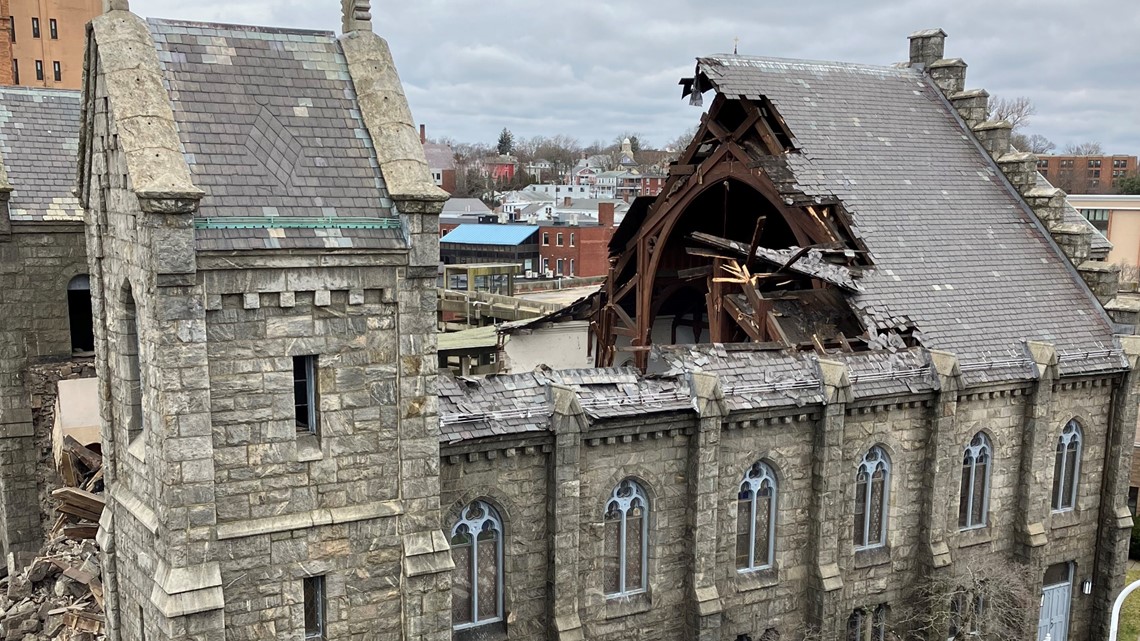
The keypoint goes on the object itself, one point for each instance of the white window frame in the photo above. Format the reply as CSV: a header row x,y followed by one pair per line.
x,y
623,501
979,447
872,459
1071,434
476,522
752,482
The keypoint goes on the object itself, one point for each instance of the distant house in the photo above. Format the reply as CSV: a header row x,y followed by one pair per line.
x,y
441,162
501,168
541,169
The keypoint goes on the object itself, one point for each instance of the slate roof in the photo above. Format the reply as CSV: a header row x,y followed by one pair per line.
x,y
439,156
473,234
487,406
270,127
472,206
39,136
955,248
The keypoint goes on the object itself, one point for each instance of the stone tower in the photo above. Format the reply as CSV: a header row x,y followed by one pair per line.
x,y
263,245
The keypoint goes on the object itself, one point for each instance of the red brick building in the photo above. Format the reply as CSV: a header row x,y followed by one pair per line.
x,y
574,250
652,184
570,250
1085,174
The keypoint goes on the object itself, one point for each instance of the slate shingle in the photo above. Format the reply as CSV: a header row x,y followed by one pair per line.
x,y
268,118
39,136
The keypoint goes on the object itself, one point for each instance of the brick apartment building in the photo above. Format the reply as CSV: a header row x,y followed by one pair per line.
x,y
1085,174
563,249
577,250
42,41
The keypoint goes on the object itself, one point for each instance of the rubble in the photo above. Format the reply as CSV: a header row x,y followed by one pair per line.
x,y
59,593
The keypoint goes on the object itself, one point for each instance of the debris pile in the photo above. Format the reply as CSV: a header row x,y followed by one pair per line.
x,y
59,593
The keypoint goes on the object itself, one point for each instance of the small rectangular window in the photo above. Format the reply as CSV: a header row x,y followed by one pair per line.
x,y
15,71
558,239
57,72
571,266
314,588
560,265
545,238
54,28
12,31
305,393
35,27
39,70
571,239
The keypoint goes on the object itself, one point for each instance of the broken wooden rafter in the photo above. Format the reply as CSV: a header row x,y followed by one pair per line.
x,y
837,275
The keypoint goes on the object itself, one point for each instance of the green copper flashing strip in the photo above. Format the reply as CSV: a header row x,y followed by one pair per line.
x,y
296,222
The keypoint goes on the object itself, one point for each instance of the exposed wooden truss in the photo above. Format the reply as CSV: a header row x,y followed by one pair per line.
x,y
734,148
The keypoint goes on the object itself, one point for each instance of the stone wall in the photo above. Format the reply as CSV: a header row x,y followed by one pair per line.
x,y
925,435
37,260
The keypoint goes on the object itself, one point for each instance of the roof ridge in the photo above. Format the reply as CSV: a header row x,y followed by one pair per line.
x,y
891,68
240,27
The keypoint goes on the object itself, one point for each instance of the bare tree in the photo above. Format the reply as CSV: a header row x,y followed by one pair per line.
x,y
1036,143
990,599
1014,110
1090,148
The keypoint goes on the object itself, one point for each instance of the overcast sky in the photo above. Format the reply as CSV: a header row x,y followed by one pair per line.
x,y
595,69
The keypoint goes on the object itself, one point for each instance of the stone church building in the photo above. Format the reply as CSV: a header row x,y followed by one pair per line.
x,y
856,343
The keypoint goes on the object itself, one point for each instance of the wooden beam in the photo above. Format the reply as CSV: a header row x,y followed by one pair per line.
x,y
744,320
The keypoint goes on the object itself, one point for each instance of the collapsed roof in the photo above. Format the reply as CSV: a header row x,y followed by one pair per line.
x,y
923,239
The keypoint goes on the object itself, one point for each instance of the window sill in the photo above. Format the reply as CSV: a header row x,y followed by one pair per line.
x,y
482,632
970,537
623,606
748,580
308,447
1061,520
873,556
137,448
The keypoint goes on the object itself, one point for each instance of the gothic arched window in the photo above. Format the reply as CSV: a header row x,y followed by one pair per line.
x,y
872,487
626,540
477,549
756,518
974,504
1067,468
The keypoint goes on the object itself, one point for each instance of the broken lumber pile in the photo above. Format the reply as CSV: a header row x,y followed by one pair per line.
x,y
79,502
59,593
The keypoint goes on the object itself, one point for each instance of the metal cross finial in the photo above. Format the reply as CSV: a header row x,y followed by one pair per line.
x,y
735,45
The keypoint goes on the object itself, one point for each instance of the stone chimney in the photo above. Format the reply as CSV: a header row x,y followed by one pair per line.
x,y
606,214
927,47
356,15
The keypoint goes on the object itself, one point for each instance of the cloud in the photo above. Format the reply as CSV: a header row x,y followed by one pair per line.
x,y
595,70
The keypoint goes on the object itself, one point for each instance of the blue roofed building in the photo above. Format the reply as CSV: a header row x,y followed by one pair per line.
x,y
472,243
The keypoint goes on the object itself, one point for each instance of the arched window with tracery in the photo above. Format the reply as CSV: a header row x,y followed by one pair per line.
x,y
974,498
626,540
872,487
756,518
477,549
1067,468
